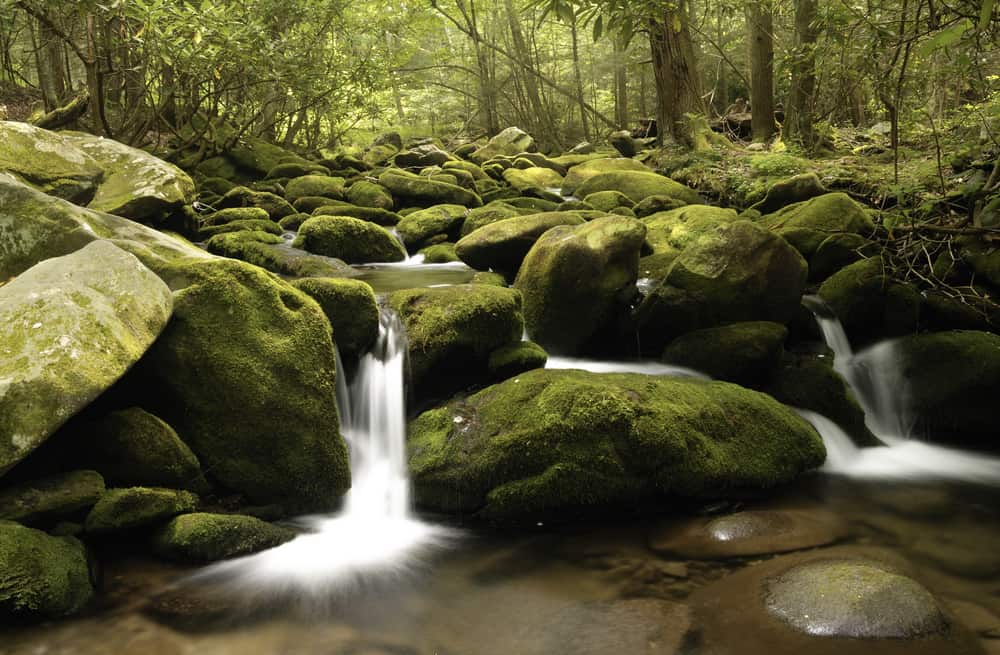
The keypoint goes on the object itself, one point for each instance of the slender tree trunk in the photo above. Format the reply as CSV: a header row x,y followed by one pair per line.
x,y
760,28
579,80
542,127
799,108
621,83
678,87
51,77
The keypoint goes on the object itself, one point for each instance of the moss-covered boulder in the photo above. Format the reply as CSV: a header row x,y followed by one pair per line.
x,y
952,378
837,251
289,170
536,176
255,225
983,257
368,194
737,272
376,215
452,331
578,280
246,375
268,251
131,447
580,173
72,326
490,213
48,162
870,304
810,382
745,353
275,206
672,231
797,188
259,157
54,497
555,444
439,253
353,240
502,245
607,201
807,224
656,204
119,510
234,215
316,186
412,190
41,577
517,358
510,141
351,309
638,186
136,184
417,228
203,537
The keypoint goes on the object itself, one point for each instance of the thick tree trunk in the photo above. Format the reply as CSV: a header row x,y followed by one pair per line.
x,y
678,87
760,28
51,74
799,108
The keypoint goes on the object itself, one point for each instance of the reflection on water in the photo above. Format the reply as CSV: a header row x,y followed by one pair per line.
x,y
586,589
385,278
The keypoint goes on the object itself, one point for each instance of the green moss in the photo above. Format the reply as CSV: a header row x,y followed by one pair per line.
x,y
309,204
379,155
41,576
120,510
777,164
797,188
555,444
475,171
224,216
297,169
205,537
674,230
536,176
294,222
250,338
351,309
837,251
489,279
452,331
53,497
593,167
606,201
503,245
48,162
275,206
869,303
417,228
368,194
255,225
267,251
515,359
511,141
440,253
350,239
533,204
744,353
638,186
576,281
415,190
806,224
375,215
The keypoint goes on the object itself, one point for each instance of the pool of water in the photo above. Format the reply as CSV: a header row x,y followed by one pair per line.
x,y
597,588
385,278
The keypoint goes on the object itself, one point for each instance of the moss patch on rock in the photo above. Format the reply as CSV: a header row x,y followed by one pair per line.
x,y
120,510
353,240
53,497
351,308
417,228
203,537
502,245
745,353
638,186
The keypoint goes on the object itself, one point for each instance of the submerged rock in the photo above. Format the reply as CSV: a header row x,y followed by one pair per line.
x,y
48,161
41,576
57,496
205,537
555,444
353,240
578,280
72,326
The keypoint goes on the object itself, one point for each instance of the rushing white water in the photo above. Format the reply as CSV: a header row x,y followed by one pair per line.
x,y
644,367
875,377
375,535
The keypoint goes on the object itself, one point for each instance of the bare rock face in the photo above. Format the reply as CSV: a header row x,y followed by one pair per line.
x,y
48,162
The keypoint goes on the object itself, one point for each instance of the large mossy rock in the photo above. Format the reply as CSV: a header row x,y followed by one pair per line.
x,y
269,251
205,537
555,444
41,577
351,308
451,332
351,239
368,194
797,188
73,325
745,353
580,173
412,190
509,142
417,228
131,447
62,495
670,232
487,214
870,304
638,186
502,246
807,224
120,510
136,184
534,177
48,162
276,207
245,374
320,186
952,379
578,280
737,272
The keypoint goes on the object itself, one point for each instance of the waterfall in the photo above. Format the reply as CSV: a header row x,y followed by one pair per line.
x,y
875,377
375,535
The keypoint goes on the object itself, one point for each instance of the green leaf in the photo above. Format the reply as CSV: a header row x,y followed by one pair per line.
x,y
985,13
598,27
946,37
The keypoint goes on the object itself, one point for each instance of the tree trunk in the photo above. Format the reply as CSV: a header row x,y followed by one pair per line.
x,y
542,128
760,28
678,87
621,83
799,108
51,75
579,81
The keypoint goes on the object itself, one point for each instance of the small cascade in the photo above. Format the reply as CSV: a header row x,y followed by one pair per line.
x,y
375,535
644,367
875,377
